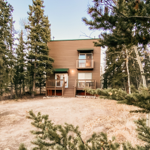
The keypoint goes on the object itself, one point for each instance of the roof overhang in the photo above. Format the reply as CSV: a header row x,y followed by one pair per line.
x,y
85,50
61,70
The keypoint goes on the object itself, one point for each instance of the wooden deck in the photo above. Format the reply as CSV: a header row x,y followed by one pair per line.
x,y
53,86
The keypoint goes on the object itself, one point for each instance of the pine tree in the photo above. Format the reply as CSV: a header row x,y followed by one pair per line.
x,y
121,20
10,55
49,136
67,137
39,35
146,61
116,70
5,19
20,66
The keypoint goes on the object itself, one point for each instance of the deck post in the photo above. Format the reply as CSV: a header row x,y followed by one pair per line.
x,y
75,89
62,91
85,88
55,88
63,87
46,89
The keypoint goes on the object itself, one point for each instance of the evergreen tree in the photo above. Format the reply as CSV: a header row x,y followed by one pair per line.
x,y
39,35
67,137
57,137
121,19
146,61
10,55
20,66
116,70
5,19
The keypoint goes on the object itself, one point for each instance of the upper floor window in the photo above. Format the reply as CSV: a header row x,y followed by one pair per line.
x,y
85,60
85,56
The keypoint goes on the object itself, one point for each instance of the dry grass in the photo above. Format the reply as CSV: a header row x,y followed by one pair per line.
x,y
119,122
91,115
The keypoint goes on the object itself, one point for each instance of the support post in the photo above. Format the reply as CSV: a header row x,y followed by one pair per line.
x,y
46,89
85,87
75,88
55,87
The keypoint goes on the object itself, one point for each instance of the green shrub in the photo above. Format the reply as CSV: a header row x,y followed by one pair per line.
x,y
67,137
140,99
108,93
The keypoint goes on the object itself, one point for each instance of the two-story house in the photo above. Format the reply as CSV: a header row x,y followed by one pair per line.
x,y
76,66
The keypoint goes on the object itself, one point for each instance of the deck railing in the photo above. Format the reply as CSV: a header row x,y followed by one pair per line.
x,y
85,64
54,83
85,83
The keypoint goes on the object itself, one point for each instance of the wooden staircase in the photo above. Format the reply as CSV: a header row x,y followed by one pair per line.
x,y
69,93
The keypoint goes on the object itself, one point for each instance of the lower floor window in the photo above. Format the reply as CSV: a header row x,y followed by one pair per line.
x,y
84,80
84,75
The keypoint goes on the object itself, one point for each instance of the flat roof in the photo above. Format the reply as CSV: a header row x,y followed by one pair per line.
x,y
73,39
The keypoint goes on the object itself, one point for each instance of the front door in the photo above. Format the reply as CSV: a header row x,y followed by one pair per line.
x,y
59,76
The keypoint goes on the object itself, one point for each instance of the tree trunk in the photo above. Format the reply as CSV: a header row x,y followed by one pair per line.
x,y
16,89
33,88
1,94
23,87
140,65
127,65
20,91
143,80
0,97
124,85
11,92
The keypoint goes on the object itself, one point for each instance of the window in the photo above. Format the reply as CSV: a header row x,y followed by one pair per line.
x,y
85,60
84,75
85,80
85,56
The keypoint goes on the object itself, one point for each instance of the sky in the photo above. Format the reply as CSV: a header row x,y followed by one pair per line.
x,y
65,17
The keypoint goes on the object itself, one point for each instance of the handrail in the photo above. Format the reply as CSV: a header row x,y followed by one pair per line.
x,y
86,79
55,80
83,83
84,63
55,83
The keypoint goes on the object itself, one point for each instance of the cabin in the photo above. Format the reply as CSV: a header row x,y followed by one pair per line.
x,y
76,66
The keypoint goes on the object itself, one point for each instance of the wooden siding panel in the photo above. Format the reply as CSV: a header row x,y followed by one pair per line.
x,y
65,55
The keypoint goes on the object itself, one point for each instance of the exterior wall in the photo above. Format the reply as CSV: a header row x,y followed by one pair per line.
x,y
65,55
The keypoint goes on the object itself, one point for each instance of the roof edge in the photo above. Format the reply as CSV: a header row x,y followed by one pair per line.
x,y
73,40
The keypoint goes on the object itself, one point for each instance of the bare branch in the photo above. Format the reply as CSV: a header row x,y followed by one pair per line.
x,y
86,35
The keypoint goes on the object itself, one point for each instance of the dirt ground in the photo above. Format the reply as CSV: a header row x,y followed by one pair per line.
x,y
91,115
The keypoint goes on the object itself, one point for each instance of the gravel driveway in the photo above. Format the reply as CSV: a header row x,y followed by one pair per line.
x,y
91,115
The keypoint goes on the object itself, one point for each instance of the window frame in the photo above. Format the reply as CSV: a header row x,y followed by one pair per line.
x,y
85,73
85,55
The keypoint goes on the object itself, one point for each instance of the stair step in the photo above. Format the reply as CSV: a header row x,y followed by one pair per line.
x,y
69,93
